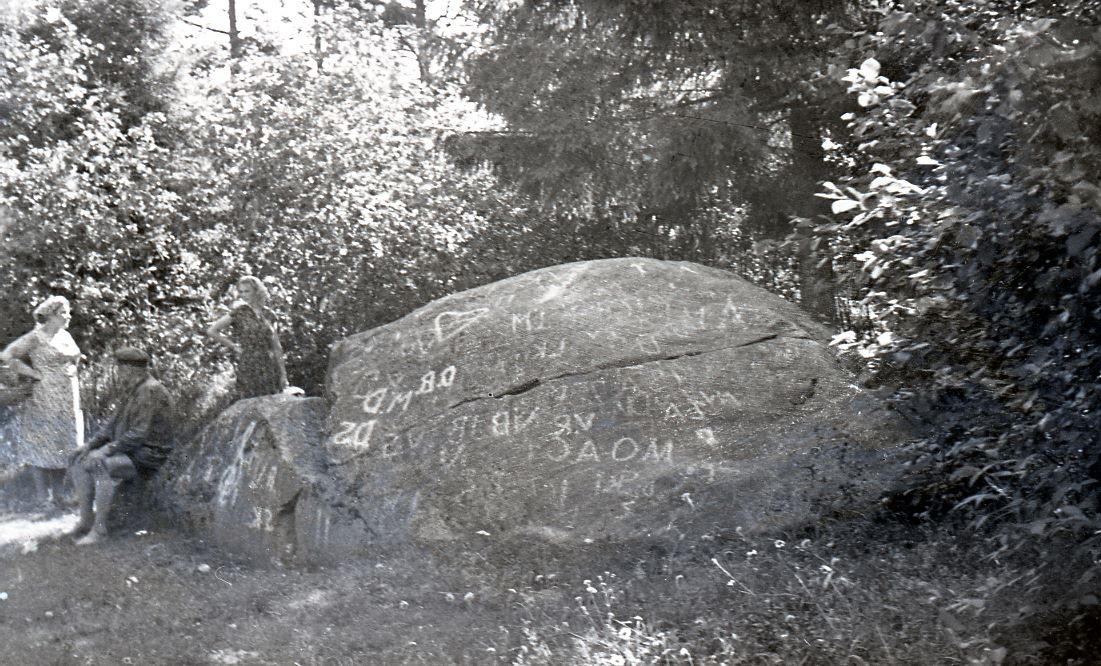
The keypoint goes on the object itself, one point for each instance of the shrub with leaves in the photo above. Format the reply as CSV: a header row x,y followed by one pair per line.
x,y
330,185
968,226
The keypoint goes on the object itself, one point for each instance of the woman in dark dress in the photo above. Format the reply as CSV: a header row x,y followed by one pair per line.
x,y
253,341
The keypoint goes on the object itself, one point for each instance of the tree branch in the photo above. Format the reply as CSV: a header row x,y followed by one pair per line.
x,y
204,27
404,41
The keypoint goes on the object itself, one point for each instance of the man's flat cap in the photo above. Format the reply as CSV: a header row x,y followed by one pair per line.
x,y
132,356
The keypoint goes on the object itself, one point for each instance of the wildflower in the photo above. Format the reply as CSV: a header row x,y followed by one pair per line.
x,y
779,543
624,633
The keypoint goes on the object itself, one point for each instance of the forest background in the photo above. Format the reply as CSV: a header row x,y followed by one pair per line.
x,y
924,177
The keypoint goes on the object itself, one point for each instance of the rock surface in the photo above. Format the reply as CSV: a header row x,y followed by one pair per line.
x,y
254,482
582,402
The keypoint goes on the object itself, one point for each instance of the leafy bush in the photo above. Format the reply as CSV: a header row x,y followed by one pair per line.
x,y
329,185
968,226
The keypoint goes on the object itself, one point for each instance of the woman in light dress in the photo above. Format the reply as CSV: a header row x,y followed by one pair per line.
x,y
48,425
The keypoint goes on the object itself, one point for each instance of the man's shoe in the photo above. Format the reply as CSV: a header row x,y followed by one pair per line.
x,y
94,536
67,501
80,529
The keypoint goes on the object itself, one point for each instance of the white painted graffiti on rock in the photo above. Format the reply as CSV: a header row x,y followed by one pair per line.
x,y
386,399
622,450
355,434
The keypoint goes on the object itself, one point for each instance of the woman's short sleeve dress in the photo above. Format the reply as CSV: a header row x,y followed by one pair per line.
x,y
46,429
259,368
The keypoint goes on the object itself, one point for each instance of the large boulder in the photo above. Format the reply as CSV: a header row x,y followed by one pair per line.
x,y
589,401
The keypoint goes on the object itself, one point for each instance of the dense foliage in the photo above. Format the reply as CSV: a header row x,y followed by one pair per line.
x,y
329,185
650,107
969,222
668,122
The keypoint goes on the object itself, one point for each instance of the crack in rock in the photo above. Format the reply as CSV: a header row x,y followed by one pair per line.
x,y
288,507
530,384
807,393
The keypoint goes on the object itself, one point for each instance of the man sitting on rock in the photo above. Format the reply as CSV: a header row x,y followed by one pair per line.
x,y
133,443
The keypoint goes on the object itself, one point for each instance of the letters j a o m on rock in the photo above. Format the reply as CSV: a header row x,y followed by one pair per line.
x,y
573,403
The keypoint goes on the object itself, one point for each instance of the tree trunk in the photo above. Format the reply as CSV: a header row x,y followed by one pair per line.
x,y
817,283
234,35
318,55
421,19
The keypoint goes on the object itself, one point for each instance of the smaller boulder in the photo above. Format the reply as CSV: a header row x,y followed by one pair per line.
x,y
254,483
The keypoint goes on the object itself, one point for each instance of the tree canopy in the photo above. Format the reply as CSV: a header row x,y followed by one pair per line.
x,y
652,114
655,105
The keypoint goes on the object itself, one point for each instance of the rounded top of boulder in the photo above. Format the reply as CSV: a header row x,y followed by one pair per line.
x,y
674,302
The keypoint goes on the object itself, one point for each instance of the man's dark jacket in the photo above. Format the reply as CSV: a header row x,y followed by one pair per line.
x,y
143,427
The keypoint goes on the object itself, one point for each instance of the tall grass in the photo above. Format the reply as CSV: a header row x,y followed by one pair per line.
x,y
771,601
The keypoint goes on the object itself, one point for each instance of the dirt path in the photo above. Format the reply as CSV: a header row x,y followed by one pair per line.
x,y
155,597
22,532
